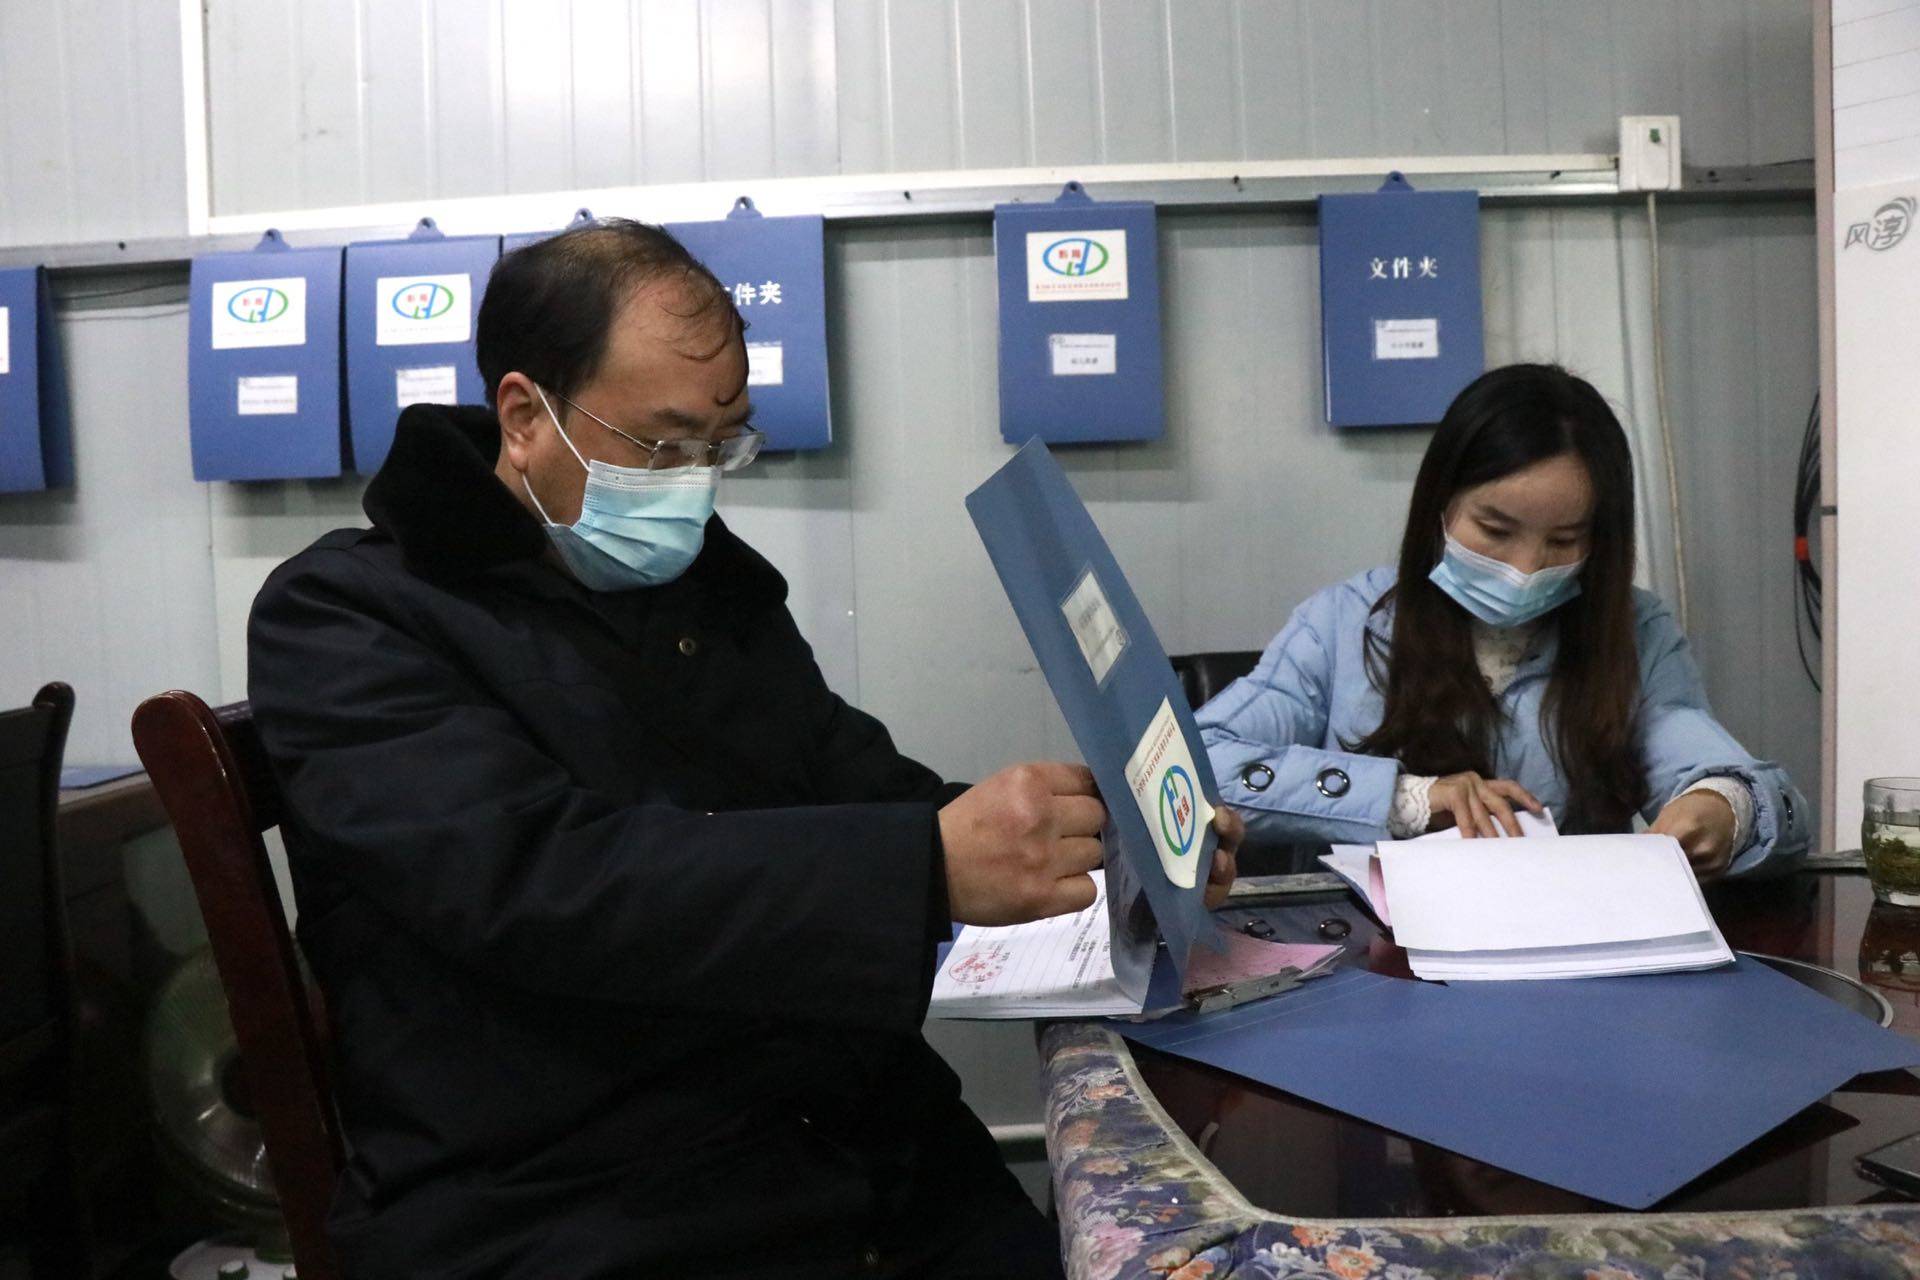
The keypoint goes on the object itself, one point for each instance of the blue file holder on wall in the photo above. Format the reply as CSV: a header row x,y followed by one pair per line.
x,y
775,270
1400,309
35,447
1080,356
263,363
411,306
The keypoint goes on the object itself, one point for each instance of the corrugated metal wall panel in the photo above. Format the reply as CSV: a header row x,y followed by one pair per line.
x,y
342,101
922,114
1741,366
91,125
1274,92
1205,81
332,102
108,586
254,106
671,95
1063,80
1133,89
1876,92
601,103
466,108
995,100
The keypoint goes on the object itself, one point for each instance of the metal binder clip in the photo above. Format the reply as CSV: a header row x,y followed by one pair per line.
x,y
1232,994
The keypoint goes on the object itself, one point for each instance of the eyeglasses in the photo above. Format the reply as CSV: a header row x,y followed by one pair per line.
x,y
730,454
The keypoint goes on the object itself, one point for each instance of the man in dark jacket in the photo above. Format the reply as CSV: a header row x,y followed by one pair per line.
x,y
625,921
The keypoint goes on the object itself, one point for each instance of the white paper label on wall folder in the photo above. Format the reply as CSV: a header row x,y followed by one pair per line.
x,y
276,394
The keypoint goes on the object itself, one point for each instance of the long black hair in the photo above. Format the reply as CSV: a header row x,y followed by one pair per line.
x,y
1440,717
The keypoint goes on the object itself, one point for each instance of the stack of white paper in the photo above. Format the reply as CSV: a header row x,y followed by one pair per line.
x,y
1359,866
1555,907
1060,967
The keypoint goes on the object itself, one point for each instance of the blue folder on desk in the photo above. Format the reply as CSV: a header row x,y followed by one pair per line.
x,y
1623,1089
1119,694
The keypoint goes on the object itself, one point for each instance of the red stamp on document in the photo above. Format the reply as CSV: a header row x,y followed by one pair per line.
x,y
978,968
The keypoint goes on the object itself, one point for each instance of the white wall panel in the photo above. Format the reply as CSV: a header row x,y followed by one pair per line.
x,y
1063,73
108,585
1876,92
602,80
1742,376
329,102
1133,87
1205,87
672,91
91,132
1877,331
922,113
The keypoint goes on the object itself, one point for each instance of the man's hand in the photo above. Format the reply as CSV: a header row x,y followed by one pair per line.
x,y
1019,845
1231,830
1480,806
1704,824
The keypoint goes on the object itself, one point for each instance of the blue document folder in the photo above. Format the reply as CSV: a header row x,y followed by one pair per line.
x,y
36,447
410,308
775,271
263,363
1622,1089
1079,300
1400,321
1117,690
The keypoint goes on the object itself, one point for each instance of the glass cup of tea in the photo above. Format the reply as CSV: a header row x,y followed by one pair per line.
x,y
1890,839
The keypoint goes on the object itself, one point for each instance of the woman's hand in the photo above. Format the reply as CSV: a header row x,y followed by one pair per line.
x,y
1704,824
1480,806
1232,830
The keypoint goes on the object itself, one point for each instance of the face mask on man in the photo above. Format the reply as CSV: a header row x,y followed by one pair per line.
x,y
637,528
1499,594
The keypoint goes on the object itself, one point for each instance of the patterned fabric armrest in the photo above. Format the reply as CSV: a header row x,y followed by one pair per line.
x,y
1138,1201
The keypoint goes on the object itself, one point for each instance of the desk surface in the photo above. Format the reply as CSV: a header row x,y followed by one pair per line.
x,y
1363,1171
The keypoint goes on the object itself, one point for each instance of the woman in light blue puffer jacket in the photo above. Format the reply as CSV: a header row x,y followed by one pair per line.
x,y
1507,663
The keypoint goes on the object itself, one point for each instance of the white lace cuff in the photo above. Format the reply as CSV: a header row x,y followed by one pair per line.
x,y
1412,813
1737,795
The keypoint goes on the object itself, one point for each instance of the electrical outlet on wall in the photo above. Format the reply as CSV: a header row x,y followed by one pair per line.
x,y
1649,153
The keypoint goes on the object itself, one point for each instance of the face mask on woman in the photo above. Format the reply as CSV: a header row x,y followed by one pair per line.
x,y
1499,594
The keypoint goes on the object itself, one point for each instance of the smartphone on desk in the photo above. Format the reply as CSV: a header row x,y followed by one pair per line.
x,y
1896,1165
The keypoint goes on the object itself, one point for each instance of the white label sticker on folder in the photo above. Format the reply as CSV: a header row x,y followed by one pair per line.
x,y
1166,786
1076,266
766,364
1082,353
1095,629
416,309
1406,339
427,384
277,394
6,349
259,313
